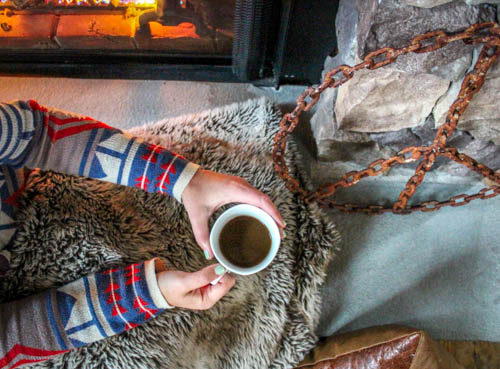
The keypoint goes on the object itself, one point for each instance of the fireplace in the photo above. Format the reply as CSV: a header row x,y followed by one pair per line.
x,y
265,42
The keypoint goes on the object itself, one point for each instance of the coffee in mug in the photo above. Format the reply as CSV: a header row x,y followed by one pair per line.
x,y
245,241
250,241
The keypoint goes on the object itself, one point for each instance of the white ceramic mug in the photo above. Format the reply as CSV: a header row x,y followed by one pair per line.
x,y
262,217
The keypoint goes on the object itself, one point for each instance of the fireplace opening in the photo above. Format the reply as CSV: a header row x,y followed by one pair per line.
x,y
180,26
261,41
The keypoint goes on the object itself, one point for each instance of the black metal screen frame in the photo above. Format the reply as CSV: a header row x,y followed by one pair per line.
x,y
116,65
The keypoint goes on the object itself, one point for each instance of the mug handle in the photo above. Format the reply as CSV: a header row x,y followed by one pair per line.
x,y
216,280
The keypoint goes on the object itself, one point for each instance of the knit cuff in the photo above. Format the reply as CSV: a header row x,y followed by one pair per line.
x,y
153,286
187,174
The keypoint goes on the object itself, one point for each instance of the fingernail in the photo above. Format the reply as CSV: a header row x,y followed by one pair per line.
x,y
284,234
207,254
219,270
284,224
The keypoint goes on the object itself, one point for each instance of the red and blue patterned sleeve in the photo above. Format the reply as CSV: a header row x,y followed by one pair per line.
x,y
89,309
99,305
39,137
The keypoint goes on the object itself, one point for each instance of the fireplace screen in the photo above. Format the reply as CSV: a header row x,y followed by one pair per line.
x,y
266,42
176,26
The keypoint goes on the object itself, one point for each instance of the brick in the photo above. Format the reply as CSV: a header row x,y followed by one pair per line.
x,y
95,31
27,31
182,30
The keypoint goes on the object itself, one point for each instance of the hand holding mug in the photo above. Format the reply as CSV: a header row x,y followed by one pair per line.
x,y
208,191
193,290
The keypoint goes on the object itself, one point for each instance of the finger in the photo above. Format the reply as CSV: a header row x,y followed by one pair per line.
x,y
199,223
216,292
201,278
271,209
246,193
216,280
207,296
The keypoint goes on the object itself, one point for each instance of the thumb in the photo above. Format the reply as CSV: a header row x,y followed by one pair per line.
x,y
199,223
204,295
202,277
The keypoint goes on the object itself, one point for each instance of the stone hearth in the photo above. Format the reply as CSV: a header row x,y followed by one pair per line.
x,y
380,112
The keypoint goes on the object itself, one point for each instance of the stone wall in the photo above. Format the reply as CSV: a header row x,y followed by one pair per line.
x,y
379,112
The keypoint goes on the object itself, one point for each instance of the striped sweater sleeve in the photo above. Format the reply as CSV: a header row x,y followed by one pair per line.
x,y
38,137
89,309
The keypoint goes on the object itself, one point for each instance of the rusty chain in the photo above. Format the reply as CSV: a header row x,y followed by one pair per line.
x,y
487,33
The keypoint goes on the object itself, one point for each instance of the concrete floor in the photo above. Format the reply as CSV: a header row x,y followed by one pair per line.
x,y
437,271
125,104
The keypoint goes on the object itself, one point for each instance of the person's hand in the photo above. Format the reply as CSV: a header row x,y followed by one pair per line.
x,y
207,191
193,290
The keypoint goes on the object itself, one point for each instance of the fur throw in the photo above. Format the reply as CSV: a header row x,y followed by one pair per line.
x,y
71,226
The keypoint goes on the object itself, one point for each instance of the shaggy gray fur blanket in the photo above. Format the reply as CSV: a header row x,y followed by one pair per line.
x,y
71,226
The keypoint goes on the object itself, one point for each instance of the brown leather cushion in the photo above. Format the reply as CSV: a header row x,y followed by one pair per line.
x,y
384,347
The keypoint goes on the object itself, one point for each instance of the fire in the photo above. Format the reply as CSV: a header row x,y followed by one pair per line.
x,y
108,24
94,3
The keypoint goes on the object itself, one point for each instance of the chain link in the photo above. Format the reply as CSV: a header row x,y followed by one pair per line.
x,y
488,34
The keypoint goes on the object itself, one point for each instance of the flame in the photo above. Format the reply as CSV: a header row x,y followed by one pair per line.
x,y
122,3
